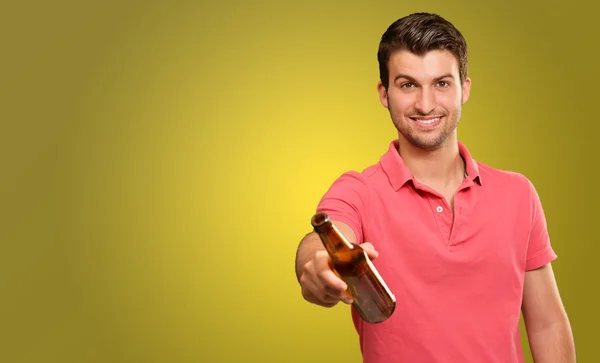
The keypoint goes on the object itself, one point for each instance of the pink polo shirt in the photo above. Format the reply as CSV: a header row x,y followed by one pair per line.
x,y
458,279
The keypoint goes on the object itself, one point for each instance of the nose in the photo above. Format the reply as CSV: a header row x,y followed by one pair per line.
x,y
425,102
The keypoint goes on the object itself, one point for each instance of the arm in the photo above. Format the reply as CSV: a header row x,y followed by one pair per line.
x,y
345,203
548,328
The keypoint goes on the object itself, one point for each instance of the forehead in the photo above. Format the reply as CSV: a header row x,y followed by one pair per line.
x,y
429,65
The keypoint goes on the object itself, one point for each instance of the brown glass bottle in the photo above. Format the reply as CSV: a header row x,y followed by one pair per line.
x,y
372,299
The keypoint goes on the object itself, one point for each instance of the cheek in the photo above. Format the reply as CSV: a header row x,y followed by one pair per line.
x,y
401,103
449,100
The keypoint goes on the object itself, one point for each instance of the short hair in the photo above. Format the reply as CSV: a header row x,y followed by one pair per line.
x,y
420,33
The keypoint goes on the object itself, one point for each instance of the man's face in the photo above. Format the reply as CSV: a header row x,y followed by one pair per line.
x,y
425,97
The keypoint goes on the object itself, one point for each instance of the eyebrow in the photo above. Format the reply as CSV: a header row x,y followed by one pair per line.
x,y
402,75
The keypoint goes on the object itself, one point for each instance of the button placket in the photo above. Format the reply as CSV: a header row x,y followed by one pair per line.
x,y
440,213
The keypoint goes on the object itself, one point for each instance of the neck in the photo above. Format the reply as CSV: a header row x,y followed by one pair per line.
x,y
441,167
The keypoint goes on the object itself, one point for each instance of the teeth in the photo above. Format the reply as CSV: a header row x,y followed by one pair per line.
x,y
428,122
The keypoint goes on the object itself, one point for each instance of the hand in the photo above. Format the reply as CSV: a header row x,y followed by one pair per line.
x,y
321,286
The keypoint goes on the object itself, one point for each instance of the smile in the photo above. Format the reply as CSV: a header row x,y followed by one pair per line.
x,y
428,121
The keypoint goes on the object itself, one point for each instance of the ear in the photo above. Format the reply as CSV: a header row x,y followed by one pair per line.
x,y
382,94
466,90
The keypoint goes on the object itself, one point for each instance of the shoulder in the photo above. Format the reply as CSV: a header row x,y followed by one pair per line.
x,y
504,179
508,185
364,178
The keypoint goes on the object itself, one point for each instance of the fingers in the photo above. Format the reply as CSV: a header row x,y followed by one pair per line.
x,y
326,275
328,283
370,250
320,285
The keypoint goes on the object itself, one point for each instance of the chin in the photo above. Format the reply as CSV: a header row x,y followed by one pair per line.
x,y
434,141
429,146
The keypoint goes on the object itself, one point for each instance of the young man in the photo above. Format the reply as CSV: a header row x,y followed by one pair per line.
x,y
463,246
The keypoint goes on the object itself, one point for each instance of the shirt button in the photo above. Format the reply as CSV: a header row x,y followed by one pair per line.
x,y
439,209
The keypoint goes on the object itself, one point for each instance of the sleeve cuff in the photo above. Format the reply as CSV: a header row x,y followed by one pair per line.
x,y
540,259
341,218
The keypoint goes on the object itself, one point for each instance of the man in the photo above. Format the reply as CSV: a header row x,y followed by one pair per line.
x,y
463,246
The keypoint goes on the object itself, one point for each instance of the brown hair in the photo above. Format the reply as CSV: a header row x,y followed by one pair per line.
x,y
420,33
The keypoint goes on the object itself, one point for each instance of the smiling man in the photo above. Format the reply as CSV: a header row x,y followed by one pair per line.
x,y
463,246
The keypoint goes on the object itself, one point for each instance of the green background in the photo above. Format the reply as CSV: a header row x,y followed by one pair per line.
x,y
161,161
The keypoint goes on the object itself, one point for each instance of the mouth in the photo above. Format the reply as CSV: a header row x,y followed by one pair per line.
x,y
427,122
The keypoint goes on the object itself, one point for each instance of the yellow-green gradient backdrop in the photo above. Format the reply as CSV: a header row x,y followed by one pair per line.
x,y
161,161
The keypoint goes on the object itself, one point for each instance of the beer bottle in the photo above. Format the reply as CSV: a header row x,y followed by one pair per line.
x,y
372,299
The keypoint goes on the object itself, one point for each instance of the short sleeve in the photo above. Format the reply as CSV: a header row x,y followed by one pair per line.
x,y
347,201
539,248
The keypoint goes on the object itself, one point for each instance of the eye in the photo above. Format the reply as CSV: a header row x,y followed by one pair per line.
x,y
407,85
443,84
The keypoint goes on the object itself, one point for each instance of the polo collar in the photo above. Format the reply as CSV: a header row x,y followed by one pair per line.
x,y
398,173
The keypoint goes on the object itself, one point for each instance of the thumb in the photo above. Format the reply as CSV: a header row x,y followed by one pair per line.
x,y
370,250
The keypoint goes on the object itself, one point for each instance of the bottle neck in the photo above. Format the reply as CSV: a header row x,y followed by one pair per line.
x,y
332,238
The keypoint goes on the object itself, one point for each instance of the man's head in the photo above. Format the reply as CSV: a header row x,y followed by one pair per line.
x,y
423,70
